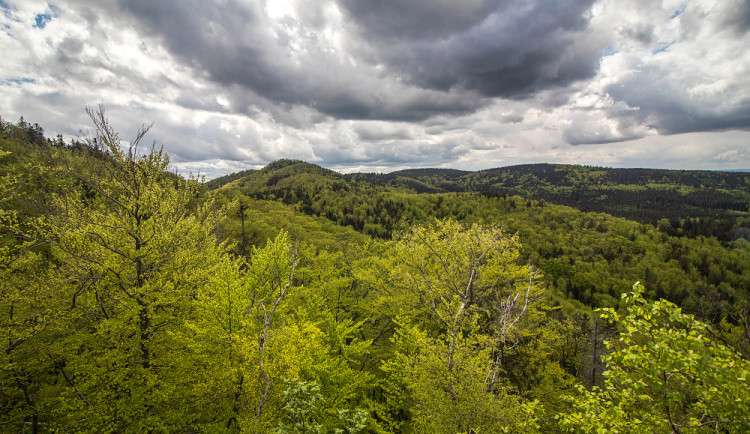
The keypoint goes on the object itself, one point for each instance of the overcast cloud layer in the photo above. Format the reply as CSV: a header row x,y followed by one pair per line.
x,y
383,85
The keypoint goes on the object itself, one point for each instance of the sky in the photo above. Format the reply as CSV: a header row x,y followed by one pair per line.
x,y
382,85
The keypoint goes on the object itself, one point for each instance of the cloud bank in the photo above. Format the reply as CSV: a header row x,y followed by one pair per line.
x,y
361,85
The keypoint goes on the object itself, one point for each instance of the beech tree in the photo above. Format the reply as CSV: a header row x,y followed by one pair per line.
x,y
464,296
27,305
664,374
133,249
236,336
17,316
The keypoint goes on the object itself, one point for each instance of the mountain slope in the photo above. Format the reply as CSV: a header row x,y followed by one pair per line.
x,y
694,203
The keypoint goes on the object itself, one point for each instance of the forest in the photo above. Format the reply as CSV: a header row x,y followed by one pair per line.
x,y
295,299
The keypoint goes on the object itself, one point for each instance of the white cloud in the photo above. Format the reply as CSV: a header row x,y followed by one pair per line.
x,y
314,82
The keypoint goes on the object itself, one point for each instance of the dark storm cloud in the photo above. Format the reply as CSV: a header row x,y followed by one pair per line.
x,y
679,120
733,15
391,84
437,57
395,20
235,45
414,106
740,18
506,49
668,107
218,38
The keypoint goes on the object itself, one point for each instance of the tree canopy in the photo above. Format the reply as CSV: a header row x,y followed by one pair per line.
x,y
295,299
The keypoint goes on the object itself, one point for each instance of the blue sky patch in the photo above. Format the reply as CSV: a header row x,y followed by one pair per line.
x,y
678,12
41,20
609,51
17,81
663,46
7,10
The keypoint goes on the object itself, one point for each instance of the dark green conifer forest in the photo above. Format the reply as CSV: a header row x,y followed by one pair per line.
x,y
294,299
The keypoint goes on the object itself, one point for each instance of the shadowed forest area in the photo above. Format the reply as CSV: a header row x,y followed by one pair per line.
x,y
294,299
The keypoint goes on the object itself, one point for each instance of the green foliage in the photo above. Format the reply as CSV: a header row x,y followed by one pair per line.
x,y
448,383
303,409
584,256
462,299
665,373
131,299
134,251
692,202
302,403
95,324
224,180
264,219
354,421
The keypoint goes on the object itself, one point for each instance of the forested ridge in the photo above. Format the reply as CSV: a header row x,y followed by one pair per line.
x,y
694,202
298,299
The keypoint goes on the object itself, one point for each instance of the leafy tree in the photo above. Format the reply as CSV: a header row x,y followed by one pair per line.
x,y
263,335
303,400
466,297
132,251
27,306
664,374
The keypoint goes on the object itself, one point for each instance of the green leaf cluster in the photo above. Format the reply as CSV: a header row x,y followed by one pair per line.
x,y
664,374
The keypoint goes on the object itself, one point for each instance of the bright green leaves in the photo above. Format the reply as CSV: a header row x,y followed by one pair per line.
x,y
272,348
462,298
98,321
121,312
445,270
303,402
29,310
304,411
447,383
665,373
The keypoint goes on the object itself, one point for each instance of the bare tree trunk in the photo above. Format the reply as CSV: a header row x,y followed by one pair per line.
x,y
267,321
243,242
595,341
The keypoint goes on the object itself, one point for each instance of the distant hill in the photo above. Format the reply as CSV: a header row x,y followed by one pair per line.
x,y
226,179
692,202
645,195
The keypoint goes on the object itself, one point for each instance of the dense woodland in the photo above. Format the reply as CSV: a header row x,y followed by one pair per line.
x,y
645,195
296,299
690,203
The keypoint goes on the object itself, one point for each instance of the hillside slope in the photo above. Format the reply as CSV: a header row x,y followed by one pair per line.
x,y
691,203
644,195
